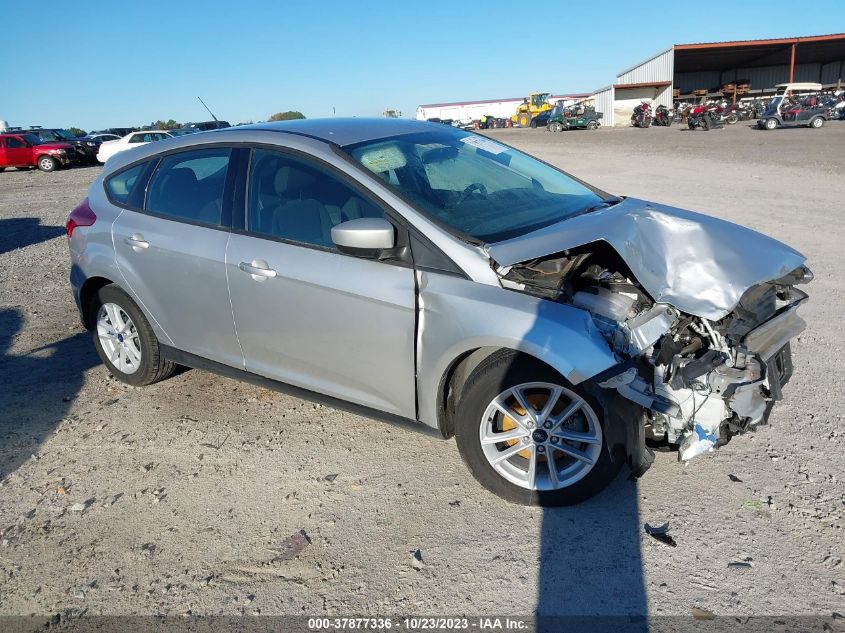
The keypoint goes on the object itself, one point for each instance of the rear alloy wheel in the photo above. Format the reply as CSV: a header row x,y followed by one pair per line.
x,y
817,122
529,436
771,124
124,339
47,163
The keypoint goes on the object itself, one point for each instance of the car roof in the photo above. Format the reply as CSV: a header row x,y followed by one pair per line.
x,y
341,131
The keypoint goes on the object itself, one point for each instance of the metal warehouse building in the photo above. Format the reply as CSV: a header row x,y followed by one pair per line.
x,y
684,68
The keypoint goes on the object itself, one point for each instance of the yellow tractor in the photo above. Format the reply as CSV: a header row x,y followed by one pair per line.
x,y
536,103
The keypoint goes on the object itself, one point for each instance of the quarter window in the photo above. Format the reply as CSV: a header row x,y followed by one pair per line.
x,y
296,200
189,186
121,184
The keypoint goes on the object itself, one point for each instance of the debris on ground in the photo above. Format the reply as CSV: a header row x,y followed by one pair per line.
x,y
702,614
660,533
735,479
331,477
292,546
745,563
417,560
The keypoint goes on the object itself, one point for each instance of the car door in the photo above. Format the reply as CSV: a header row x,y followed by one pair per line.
x,y
306,314
18,152
171,252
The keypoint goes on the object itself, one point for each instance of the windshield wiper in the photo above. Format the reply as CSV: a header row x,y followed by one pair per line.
x,y
604,204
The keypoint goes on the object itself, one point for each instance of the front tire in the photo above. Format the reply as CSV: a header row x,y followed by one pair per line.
x,y
817,123
524,119
771,124
531,437
47,163
124,339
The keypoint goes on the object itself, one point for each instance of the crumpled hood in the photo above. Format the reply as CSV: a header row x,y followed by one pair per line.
x,y
697,263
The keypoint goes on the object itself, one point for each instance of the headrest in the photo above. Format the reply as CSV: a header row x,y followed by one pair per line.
x,y
289,179
181,177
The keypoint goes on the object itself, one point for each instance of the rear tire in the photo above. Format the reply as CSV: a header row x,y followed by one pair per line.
x,y
706,123
592,125
817,122
578,478
136,357
771,124
47,163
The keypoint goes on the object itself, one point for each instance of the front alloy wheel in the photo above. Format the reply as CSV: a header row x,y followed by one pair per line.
x,y
540,436
530,436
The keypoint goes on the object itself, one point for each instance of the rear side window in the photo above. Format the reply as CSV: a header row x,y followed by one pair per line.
x,y
119,186
189,186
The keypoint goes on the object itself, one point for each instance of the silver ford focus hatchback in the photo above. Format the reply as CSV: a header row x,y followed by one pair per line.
x,y
416,272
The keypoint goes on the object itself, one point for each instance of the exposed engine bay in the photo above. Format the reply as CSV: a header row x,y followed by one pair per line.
x,y
698,381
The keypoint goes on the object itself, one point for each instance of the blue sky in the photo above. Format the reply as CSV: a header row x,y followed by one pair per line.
x,y
105,63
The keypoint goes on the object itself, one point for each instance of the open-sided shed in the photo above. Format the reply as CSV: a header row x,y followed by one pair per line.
x,y
684,68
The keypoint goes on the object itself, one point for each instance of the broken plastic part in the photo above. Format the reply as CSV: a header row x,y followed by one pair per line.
x,y
696,443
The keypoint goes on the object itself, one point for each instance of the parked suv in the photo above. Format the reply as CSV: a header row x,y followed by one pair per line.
x,y
416,272
86,148
25,150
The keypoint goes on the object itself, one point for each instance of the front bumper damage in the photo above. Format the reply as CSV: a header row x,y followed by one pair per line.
x,y
702,382
699,313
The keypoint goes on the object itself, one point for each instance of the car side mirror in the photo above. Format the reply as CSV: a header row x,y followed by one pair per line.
x,y
364,237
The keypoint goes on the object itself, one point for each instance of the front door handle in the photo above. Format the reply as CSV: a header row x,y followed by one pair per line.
x,y
258,268
137,242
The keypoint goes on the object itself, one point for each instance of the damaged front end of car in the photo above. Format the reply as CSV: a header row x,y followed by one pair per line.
x,y
700,371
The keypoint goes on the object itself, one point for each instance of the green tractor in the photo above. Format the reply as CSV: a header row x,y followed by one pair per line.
x,y
574,117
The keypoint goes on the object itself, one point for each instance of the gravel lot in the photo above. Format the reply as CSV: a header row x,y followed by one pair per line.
x,y
188,496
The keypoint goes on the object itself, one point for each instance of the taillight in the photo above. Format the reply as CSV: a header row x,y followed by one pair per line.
x,y
82,215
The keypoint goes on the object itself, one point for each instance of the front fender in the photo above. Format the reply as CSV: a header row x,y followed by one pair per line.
x,y
457,316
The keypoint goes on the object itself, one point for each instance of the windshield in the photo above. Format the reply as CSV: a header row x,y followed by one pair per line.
x,y
473,184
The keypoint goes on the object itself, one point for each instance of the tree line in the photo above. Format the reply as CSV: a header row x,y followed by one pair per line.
x,y
172,124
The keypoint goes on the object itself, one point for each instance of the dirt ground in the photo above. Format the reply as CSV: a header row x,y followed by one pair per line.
x,y
189,496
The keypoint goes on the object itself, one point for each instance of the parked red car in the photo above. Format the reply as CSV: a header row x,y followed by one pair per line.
x,y
27,150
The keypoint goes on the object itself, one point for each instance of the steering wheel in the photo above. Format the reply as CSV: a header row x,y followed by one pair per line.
x,y
476,186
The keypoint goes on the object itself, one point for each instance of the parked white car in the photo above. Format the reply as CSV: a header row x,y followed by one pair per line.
x,y
135,139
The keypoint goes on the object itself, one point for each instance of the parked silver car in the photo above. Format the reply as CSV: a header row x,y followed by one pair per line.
x,y
422,273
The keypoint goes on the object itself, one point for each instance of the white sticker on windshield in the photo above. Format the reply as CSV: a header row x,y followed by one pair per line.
x,y
479,142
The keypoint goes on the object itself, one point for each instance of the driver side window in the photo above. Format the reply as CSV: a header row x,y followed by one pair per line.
x,y
297,200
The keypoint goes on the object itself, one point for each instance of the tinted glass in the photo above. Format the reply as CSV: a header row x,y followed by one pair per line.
x,y
474,184
297,200
189,185
12,142
120,185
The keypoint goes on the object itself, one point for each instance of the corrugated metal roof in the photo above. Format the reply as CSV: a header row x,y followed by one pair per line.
x,y
645,61
763,42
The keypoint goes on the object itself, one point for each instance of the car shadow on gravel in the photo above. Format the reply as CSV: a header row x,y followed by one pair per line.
x,y
38,387
22,232
590,574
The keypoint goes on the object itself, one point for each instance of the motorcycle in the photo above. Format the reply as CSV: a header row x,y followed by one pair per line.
x,y
705,116
663,116
642,115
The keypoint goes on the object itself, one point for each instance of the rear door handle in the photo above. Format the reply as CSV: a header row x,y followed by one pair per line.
x,y
137,242
259,269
